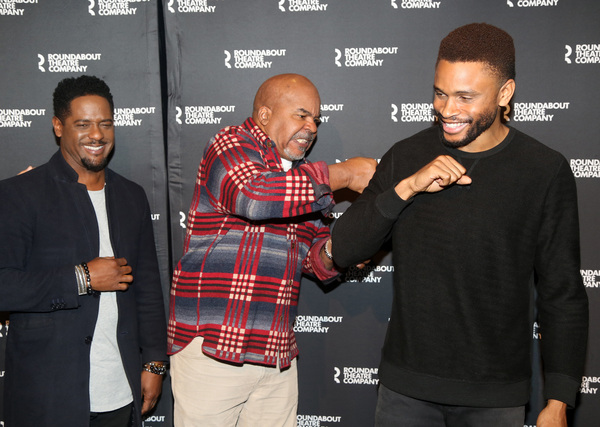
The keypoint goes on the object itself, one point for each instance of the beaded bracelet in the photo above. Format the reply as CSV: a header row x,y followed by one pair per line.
x,y
155,368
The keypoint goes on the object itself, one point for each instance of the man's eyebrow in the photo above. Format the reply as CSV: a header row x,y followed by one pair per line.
x,y
459,92
466,92
90,121
308,113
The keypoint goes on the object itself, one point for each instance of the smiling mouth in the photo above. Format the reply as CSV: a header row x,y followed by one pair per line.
x,y
453,127
95,148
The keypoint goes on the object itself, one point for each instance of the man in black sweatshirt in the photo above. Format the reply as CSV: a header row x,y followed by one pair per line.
x,y
479,214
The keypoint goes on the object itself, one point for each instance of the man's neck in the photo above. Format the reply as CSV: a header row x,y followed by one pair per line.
x,y
93,181
493,136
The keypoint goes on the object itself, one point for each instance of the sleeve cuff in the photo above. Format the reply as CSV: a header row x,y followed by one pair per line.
x,y
319,177
389,204
561,387
318,267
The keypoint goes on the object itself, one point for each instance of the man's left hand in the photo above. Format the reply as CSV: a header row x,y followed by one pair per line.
x,y
553,415
151,388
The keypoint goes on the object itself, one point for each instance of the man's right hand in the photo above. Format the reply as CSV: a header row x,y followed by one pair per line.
x,y
354,173
110,274
435,176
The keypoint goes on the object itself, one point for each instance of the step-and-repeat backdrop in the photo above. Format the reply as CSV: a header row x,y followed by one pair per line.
x,y
180,70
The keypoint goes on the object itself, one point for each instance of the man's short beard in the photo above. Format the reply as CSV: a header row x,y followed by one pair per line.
x,y
94,167
477,128
300,135
294,157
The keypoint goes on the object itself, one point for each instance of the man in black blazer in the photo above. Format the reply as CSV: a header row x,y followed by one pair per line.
x,y
79,276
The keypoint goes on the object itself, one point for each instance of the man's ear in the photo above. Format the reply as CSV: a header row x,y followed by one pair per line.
x,y
57,125
506,93
264,115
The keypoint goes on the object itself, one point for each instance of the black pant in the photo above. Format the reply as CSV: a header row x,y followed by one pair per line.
x,y
117,418
394,409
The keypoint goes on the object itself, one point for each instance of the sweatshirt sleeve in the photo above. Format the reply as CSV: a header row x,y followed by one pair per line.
x,y
366,225
562,299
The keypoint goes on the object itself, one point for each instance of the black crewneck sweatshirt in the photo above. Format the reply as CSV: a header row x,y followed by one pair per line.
x,y
465,260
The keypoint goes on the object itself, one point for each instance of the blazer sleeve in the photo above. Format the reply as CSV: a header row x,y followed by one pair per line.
x,y
148,294
21,288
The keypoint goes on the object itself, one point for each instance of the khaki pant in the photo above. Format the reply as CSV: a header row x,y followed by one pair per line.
x,y
209,393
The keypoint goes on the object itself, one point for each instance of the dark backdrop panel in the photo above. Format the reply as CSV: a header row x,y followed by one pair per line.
x,y
116,41
217,54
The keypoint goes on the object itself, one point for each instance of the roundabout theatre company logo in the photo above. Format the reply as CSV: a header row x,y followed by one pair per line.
x,y
585,168
190,6
9,7
416,4
356,376
537,111
363,56
66,62
531,3
317,420
584,54
413,112
590,278
367,274
589,385
114,7
202,114
302,6
15,117
130,116
315,324
251,58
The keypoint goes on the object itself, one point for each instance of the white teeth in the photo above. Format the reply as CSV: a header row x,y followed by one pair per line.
x,y
93,147
302,141
454,125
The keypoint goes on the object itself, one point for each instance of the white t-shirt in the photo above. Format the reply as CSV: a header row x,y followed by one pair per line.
x,y
286,164
109,388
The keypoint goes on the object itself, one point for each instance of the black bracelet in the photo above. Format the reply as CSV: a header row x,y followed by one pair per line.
x,y
88,279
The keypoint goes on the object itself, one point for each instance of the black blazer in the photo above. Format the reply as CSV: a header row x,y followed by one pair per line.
x,y
47,226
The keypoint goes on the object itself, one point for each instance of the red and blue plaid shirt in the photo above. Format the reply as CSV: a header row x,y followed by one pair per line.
x,y
253,229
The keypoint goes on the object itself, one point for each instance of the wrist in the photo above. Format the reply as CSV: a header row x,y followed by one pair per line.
x,y
404,190
84,282
339,176
556,405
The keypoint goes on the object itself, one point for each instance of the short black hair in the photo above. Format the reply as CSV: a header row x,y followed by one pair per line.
x,y
73,87
481,42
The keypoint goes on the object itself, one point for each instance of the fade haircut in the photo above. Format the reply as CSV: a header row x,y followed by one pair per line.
x,y
73,87
480,42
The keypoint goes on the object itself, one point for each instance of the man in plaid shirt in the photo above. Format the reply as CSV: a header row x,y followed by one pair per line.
x,y
254,226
